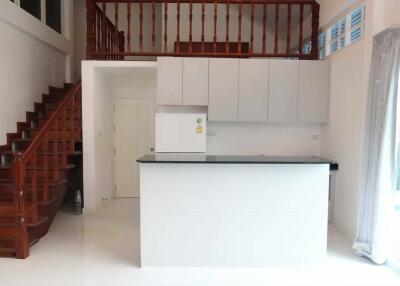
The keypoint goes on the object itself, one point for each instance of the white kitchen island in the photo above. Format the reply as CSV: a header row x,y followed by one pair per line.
x,y
233,211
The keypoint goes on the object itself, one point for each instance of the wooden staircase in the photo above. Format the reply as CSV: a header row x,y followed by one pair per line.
x,y
36,165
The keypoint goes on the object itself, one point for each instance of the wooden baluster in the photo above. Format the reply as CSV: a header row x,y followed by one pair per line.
x,y
252,28
46,193
203,18
166,27
264,46
121,40
215,26
72,125
98,19
111,44
276,49
108,41
227,27
153,17
191,27
90,45
141,26
301,30
56,170
178,25
19,174
116,16
314,35
289,28
129,25
240,28
103,28
64,138
35,216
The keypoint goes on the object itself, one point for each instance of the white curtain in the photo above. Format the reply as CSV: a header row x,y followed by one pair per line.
x,y
377,202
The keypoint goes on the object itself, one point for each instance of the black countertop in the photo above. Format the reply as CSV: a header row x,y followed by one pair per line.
x,y
223,159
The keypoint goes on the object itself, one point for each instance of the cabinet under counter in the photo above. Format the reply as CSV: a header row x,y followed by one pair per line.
x,y
233,211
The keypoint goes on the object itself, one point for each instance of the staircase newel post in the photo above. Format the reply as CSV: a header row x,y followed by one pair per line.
x,y
19,173
90,48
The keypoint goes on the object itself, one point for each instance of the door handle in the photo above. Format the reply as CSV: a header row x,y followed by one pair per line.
x,y
152,149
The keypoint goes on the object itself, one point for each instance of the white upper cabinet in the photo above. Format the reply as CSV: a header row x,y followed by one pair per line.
x,y
169,81
314,91
253,90
223,89
283,90
195,81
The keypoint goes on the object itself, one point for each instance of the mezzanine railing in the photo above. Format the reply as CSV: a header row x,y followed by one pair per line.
x,y
122,29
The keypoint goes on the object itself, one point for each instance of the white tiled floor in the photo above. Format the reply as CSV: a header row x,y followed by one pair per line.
x,y
103,249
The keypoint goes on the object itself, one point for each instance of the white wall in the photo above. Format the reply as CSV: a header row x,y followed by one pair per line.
x,y
103,82
263,139
32,57
343,138
386,14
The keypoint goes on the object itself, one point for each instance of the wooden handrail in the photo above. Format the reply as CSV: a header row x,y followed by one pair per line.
x,y
181,40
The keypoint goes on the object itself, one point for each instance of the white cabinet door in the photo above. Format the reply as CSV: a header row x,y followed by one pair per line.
x,y
283,90
253,90
169,81
195,81
223,89
314,91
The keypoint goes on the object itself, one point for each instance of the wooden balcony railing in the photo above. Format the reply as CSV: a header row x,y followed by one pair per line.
x,y
123,29
42,163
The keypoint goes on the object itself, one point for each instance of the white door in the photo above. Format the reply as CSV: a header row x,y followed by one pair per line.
x,y
133,138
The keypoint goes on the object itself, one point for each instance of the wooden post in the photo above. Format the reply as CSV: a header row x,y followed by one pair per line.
x,y
264,47
104,29
276,49
178,26
22,241
166,27
191,27
153,17
252,28
315,28
215,26
227,27
35,215
203,18
141,27
121,40
46,191
240,27
301,30
90,48
129,25
289,28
